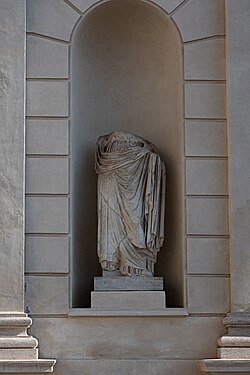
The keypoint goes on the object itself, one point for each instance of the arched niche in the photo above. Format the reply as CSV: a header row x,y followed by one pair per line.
x,y
126,74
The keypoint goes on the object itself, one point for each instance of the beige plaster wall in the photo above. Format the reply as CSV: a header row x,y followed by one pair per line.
x,y
151,344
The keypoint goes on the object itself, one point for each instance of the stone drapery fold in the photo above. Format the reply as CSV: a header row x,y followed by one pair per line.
x,y
131,203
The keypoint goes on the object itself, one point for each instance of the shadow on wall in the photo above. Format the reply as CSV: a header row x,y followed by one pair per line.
x,y
126,74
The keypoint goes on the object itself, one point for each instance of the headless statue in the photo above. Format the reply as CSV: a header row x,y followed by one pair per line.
x,y
131,202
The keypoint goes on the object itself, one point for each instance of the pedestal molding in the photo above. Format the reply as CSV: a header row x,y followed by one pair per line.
x,y
233,348
27,366
226,366
167,312
18,350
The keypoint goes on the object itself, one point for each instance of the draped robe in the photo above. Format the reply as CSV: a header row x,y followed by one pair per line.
x,y
131,201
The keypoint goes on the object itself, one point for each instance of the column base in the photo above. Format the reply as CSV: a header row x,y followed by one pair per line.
x,y
233,348
226,366
26,366
18,350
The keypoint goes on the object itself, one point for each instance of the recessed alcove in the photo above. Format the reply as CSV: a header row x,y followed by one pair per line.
x,y
126,74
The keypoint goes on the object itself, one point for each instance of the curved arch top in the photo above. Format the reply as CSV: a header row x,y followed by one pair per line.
x,y
58,18
167,6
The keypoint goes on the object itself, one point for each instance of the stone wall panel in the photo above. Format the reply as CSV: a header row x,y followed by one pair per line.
x,y
47,175
208,255
124,367
205,100
145,337
52,18
206,138
46,215
205,60
200,19
46,295
46,58
46,254
209,294
45,136
207,216
40,95
206,177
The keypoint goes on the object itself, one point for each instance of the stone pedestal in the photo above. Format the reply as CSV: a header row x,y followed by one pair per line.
x,y
123,283
141,300
140,293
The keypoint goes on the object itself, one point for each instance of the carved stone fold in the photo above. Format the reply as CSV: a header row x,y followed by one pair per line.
x,y
131,203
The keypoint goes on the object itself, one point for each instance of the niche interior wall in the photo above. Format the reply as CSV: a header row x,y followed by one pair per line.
x,y
126,74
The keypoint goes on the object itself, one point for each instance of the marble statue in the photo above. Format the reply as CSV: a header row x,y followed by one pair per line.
x,y
131,202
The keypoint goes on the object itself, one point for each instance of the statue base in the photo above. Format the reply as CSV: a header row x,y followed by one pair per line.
x,y
132,300
128,283
112,292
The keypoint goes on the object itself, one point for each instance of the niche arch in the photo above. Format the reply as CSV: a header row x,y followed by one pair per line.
x,y
126,74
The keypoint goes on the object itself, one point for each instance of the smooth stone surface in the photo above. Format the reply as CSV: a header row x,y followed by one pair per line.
x,y
47,175
229,353
47,295
205,60
167,5
238,56
46,215
22,341
207,216
199,19
17,354
53,18
125,367
205,100
12,83
25,366
127,283
144,300
208,255
47,254
83,5
226,366
39,98
46,58
209,294
86,312
232,341
150,337
206,138
207,177
46,136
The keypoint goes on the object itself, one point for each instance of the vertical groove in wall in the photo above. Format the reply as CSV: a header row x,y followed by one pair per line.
x,y
69,182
